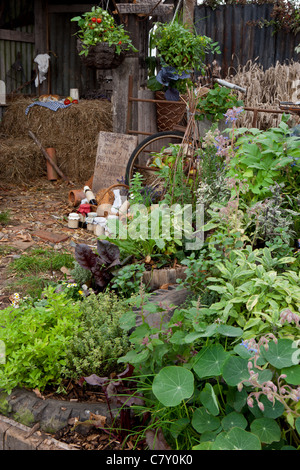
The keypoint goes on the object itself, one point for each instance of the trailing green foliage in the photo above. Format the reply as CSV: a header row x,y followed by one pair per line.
x,y
36,334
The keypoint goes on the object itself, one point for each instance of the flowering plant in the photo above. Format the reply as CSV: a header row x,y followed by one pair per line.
x,y
99,26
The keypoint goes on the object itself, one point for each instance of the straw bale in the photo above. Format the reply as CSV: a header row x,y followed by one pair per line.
x,y
72,131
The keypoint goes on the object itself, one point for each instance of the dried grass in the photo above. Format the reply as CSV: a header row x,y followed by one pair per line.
x,y
265,89
73,132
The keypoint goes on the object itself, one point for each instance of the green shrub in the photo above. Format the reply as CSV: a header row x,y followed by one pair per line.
x,y
35,335
98,340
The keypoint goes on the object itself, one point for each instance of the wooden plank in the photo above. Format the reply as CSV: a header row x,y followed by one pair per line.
x,y
10,35
80,8
113,153
145,9
40,36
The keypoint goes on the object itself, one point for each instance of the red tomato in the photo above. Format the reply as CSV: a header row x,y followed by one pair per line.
x,y
120,42
67,101
94,20
99,20
75,101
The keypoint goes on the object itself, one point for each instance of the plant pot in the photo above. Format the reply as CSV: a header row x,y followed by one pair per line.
x,y
51,172
101,56
76,196
169,114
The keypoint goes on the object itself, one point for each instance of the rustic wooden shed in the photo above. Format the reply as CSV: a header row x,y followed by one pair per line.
x,y
32,27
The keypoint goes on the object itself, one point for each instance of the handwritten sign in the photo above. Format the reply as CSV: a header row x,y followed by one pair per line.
x,y
112,157
144,8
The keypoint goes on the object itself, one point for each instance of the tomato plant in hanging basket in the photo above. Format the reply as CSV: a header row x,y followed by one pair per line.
x,y
101,43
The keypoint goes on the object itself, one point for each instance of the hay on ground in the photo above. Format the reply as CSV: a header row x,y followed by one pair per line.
x,y
72,131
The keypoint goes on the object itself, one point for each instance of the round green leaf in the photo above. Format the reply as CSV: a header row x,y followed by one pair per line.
x,y
297,425
292,374
236,439
266,429
209,362
227,330
203,421
209,400
280,354
234,420
270,410
235,370
172,385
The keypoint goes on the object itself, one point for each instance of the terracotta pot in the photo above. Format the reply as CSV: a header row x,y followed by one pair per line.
x,y
51,172
76,196
169,114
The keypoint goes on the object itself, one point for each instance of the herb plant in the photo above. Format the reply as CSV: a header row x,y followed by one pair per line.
x,y
36,335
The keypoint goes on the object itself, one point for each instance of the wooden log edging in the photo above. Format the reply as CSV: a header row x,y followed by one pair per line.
x,y
17,436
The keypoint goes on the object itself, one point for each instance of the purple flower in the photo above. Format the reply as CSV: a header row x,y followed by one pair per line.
x,y
232,114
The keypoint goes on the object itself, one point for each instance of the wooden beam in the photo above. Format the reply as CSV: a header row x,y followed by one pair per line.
x,y
144,9
10,35
80,8
40,34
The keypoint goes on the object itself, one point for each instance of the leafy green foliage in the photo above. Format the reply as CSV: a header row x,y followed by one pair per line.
x,y
181,48
215,103
36,335
99,26
127,280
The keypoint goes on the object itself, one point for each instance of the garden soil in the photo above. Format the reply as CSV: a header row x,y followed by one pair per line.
x,y
38,219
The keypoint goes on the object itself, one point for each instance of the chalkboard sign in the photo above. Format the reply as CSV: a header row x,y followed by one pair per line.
x,y
112,157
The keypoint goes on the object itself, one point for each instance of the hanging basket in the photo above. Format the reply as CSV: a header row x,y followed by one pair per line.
x,y
169,114
101,56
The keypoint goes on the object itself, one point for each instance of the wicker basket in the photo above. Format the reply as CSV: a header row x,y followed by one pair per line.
x,y
169,114
102,56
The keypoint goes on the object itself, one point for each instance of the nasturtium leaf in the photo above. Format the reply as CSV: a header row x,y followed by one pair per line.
x,y
172,385
209,400
227,330
203,421
236,439
135,358
178,426
266,429
281,353
292,374
236,370
209,362
203,446
234,420
235,399
270,410
297,425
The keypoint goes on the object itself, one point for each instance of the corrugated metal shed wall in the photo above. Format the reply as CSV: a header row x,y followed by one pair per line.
x,y
16,58
239,41
67,70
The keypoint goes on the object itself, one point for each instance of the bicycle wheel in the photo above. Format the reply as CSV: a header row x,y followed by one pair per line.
x,y
139,158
